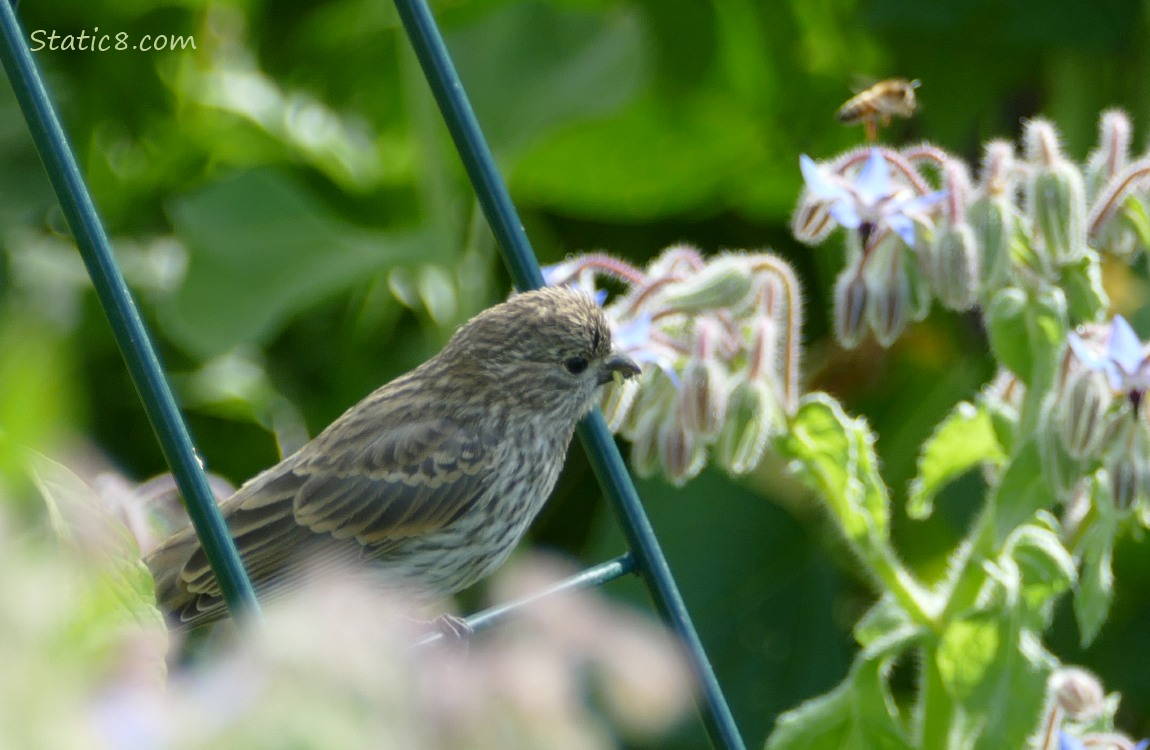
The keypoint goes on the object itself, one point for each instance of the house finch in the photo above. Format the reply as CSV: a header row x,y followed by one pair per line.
x,y
433,478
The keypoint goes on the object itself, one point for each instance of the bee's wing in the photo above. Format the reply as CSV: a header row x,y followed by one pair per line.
x,y
860,82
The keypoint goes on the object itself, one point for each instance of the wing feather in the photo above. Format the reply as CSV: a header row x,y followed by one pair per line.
x,y
404,482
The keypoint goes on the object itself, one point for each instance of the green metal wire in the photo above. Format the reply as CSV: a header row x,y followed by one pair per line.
x,y
596,575
604,455
127,327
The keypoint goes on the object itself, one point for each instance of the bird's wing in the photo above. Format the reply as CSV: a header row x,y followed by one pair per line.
x,y
383,486
403,482
267,539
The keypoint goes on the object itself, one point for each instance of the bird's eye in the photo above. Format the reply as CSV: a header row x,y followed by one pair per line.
x,y
576,365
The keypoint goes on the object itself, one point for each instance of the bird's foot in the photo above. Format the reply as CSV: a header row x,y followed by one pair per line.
x,y
453,628
446,629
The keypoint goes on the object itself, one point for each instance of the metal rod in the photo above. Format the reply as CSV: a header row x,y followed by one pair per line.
x,y
604,455
128,328
597,575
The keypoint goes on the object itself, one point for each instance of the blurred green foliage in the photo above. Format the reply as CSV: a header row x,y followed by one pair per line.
x,y
297,229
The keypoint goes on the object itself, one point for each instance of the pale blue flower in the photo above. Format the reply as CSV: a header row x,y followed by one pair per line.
x,y
634,338
1125,363
560,274
871,200
1069,742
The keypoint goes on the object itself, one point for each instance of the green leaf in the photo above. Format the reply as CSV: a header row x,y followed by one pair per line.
x,y
1022,491
1046,330
1095,589
1004,326
709,141
529,67
966,651
859,714
1060,470
116,589
886,630
1095,592
1086,299
1005,707
1003,420
1047,568
1134,216
834,454
1026,333
963,440
262,249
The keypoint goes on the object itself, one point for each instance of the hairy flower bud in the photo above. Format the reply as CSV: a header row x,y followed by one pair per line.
x,y
888,292
956,266
993,220
753,417
997,176
1084,404
956,179
812,222
703,391
644,437
675,260
1078,693
1128,462
724,282
1113,151
656,395
682,452
616,401
850,303
763,346
1055,195
1123,483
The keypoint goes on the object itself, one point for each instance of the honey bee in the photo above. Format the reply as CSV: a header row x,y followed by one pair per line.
x,y
885,99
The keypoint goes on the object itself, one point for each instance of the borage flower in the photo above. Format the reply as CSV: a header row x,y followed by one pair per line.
x,y
636,338
870,201
580,277
1124,361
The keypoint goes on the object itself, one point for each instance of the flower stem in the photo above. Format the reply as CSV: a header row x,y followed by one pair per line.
x,y
790,284
937,714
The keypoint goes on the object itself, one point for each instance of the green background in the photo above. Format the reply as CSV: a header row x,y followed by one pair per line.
x,y
298,230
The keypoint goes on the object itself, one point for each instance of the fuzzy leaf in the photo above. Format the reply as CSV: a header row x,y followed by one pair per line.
x,y
1007,335
834,455
1047,568
859,714
1095,589
1022,491
1086,299
886,630
1003,709
120,589
1094,594
965,652
1134,216
259,225
1026,332
962,441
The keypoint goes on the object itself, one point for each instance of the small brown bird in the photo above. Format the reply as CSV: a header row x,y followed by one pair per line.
x,y
433,478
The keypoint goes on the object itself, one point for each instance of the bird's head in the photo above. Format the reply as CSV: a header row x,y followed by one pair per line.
x,y
547,351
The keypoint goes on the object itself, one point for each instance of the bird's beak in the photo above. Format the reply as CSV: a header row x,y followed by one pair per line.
x,y
618,363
